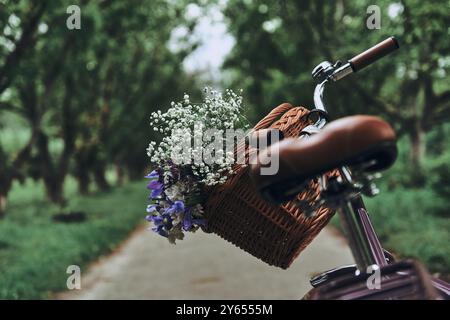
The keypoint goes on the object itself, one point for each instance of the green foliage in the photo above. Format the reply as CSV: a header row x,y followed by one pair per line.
x,y
414,222
35,251
279,43
408,224
81,99
438,164
441,177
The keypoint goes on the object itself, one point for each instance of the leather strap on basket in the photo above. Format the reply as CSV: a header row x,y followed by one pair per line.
x,y
272,116
265,123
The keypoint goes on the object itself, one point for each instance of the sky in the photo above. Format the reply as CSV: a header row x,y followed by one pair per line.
x,y
211,32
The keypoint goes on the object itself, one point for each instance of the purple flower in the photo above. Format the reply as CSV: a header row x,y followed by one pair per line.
x,y
152,208
188,221
156,187
163,223
176,207
161,231
163,220
152,175
154,184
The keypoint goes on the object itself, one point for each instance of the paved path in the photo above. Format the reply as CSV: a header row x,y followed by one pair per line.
x,y
203,266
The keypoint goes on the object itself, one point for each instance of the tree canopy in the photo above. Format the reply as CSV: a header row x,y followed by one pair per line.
x,y
279,43
84,96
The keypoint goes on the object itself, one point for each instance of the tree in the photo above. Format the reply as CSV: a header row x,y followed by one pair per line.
x,y
17,42
86,95
279,42
10,170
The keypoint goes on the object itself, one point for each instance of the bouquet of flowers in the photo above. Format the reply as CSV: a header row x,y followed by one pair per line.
x,y
194,153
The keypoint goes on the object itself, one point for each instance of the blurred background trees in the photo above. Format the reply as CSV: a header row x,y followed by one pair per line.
x,y
281,41
75,107
78,101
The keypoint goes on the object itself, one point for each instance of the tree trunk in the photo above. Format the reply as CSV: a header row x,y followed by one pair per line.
x,y
83,183
99,177
54,189
2,205
81,172
119,173
52,180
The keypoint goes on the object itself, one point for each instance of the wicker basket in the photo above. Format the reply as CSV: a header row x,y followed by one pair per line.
x,y
274,234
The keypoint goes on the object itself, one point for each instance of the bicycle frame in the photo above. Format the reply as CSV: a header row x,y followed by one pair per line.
x,y
363,240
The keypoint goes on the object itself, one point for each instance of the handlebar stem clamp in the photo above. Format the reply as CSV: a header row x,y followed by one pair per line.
x,y
324,70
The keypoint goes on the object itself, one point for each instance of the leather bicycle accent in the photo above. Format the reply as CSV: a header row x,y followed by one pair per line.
x,y
348,141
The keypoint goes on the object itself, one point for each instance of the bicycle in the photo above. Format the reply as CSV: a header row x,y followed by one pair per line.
x,y
359,147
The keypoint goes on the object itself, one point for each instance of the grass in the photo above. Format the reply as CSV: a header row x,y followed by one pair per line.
x,y
412,223
35,251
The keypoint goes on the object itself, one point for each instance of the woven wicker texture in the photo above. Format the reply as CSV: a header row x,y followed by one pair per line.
x,y
274,234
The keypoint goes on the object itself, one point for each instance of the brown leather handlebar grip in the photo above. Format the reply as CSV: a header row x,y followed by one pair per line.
x,y
371,55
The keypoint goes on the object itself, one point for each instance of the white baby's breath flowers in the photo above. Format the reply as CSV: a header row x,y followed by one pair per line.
x,y
184,125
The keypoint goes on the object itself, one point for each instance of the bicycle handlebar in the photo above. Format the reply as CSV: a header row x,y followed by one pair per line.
x,y
326,71
371,55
